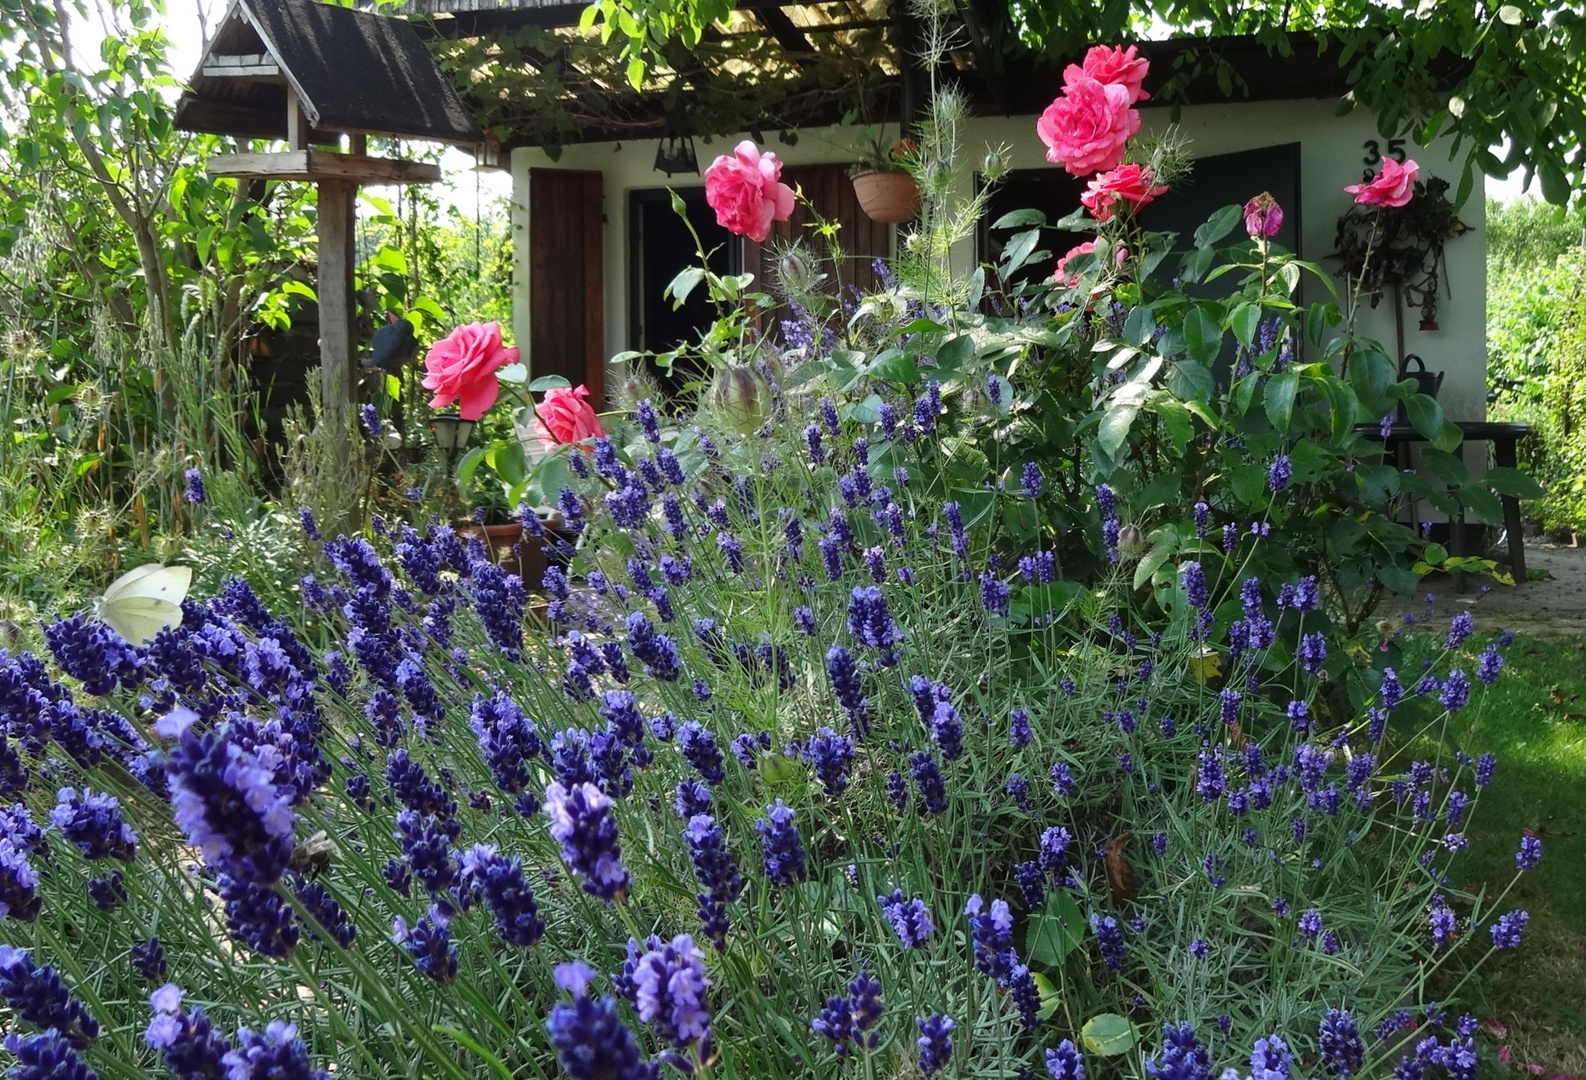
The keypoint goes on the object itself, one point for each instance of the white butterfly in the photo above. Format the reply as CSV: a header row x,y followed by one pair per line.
x,y
144,601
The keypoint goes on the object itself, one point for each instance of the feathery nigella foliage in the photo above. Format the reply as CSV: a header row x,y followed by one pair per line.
x,y
799,689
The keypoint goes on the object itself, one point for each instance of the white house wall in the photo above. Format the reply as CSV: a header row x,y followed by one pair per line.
x,y
1331,154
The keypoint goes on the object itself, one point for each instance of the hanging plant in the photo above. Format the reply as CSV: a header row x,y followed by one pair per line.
x,y
1383,245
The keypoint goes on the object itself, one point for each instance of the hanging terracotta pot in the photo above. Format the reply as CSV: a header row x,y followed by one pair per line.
x,y
888,197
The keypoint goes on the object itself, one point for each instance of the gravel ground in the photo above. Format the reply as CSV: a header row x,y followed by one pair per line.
x,y
1555,606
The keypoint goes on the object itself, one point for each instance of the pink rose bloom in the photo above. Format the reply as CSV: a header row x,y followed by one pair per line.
x,y
462,368
1132,185
1113,66
1064,278
1263,217
746,191
1086,128
565,417
1393,186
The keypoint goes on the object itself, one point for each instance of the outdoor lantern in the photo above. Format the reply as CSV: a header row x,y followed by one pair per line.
x,y
451,433
675,154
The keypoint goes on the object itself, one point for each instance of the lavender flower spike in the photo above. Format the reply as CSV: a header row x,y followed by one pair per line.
x,y
581,822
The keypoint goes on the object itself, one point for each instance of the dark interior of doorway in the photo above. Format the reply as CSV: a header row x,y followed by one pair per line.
x,y
660,247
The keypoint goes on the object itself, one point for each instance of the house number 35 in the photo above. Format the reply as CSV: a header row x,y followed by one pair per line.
x,y
1373,156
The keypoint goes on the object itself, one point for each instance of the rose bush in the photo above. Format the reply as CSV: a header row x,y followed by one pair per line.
x,y
462,368
746,191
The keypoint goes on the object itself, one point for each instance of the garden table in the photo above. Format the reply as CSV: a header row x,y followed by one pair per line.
x,y
1503,437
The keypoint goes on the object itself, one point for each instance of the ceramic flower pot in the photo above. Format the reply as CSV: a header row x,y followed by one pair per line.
x,y
517,553
888,197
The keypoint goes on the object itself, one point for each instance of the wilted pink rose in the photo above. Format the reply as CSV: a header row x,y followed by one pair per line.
x,y
1113,65
1393,186
563,416
1132,185
1086,128
462,368
746,191
1263,217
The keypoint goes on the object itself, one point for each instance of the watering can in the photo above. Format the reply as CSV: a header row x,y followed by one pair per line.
x,y
1426,382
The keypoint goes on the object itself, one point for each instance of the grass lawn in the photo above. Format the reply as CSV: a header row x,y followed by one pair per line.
x,y
1534,720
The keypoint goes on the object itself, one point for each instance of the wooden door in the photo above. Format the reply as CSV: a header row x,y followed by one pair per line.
x,y
831,192
567,318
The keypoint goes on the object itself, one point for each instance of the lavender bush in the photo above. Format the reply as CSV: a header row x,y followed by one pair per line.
x,y
798,772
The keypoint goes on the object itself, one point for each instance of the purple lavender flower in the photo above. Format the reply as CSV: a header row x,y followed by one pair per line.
x,y
36,994
844,675
1313,652
1031,481
1026,996
228,804
501,882
947,729
717,874
991,935
18,880
273,1054
657,652
1202,515
93,822
1019,731
1489,665
1484,769
781,845
1280,473
1109,938
1055,844
666,986
1310,922
194,491
581,823
1455,694
869,620
508,740
928,780
910,918
1107,503
846,1020
591,1041
832,756
429,943
995,594
927,407
1065,1062
189,1043
935,1041
1530,853
1182,1058
1443,922
1342,1050
1062,780
1507,930
148,960
45,1056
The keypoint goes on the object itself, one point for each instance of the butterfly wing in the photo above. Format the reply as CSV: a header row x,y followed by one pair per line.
x,y
144,601
169,583
139,618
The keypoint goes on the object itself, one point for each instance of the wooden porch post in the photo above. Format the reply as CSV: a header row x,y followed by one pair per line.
x,y
337,306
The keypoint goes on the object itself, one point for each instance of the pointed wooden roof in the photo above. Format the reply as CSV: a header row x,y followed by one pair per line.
x,y
352,71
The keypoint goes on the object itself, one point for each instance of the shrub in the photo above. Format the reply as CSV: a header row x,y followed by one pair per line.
x,y
804,775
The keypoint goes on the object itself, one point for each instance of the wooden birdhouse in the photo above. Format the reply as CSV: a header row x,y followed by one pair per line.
x,y
308,74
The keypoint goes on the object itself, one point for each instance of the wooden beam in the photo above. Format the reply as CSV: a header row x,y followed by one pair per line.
x,y
254,65
337,304
787,33
322,165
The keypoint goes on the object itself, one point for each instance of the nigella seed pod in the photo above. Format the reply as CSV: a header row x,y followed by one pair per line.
x,y
796,272
738,392
1130,540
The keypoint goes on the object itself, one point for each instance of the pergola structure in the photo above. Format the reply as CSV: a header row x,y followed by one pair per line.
x,y
308,74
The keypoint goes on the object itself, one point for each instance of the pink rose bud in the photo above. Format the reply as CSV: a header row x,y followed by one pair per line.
x,y
1263,217
462,368
565,417
1393,186
746,191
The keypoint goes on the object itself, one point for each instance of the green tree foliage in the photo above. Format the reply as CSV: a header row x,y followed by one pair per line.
x,y
1536,347
1517,70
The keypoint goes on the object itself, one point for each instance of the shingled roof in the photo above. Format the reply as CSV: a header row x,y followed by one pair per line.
x,y
353,71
